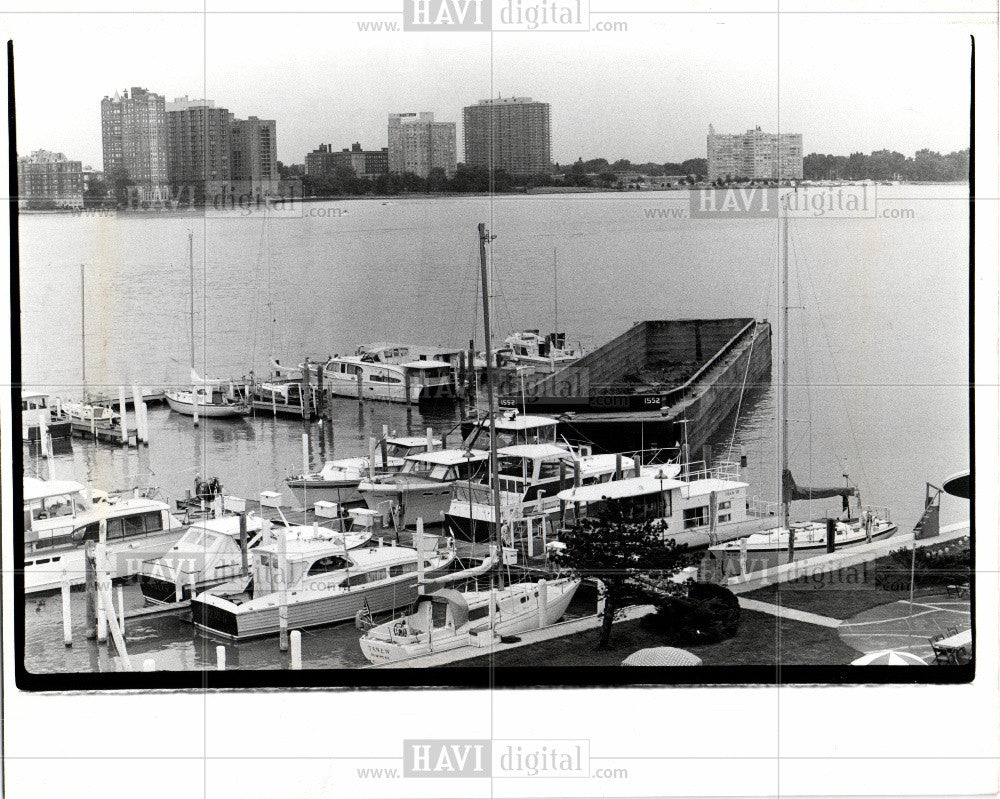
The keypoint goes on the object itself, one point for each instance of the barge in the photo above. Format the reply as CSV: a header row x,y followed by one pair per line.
x,y
640,390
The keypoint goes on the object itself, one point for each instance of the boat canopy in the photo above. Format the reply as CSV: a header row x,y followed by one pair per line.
x,y
536,452
449,457
620,489
35,489
426,365
516,421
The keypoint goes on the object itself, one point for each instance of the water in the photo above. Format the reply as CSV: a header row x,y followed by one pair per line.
x,y
878,344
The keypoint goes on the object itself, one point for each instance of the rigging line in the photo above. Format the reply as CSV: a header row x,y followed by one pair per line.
x,y
807,383
837,381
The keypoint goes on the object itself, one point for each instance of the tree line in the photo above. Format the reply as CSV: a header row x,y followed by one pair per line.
x,y
926,165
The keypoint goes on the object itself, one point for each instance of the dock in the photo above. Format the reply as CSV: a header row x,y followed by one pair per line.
x,y
642,389
104,432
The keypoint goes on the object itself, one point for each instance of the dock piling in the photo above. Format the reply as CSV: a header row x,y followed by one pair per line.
x,y
543,603
430,439
385,446
371,458
406,385
149,664
282,593
90,579
305,453
361,396
67,617
124,418
121,609
244,566
296,639
220,658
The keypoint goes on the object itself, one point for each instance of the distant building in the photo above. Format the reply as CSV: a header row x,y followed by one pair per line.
x,y
509,133
324,160
49,180
418,144
754,155
199,144
134,137
91,177
254,156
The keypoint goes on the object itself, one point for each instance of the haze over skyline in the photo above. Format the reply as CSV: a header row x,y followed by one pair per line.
x,y
646,94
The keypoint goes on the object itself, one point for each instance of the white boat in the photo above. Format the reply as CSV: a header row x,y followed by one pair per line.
x,y
36,413
513,428
85,413
812,537
208,398
392,352
338,480
210,555
322,583
542,354
448,619
59,518
422,488
410,382
530,479
708,506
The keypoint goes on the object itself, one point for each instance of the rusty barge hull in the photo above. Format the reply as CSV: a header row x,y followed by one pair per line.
x,y
640,390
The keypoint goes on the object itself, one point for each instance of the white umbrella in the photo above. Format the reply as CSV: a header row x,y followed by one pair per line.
x,y
889,657
662,656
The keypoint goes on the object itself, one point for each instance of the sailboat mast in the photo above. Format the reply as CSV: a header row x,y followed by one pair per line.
x,y
783,365
484,237
555,292
191,270
83,330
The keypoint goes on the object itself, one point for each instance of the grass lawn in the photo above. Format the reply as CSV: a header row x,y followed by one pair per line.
x,y
843,593
756,644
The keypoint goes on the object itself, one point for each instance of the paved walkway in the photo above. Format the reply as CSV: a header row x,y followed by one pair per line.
x,y
788,613
900,626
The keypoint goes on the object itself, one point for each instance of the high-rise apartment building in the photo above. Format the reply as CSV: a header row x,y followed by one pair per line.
x,y
509,133
418,144
254,156
754,155
49,180
199,149
134,137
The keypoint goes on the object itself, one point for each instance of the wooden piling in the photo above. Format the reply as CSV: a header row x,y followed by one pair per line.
x,y
361,395
67,617
90,579
543,603
406,386
282,593
149,664
385,446
124,418
296,641
371,458
220,658
305,391
121,609
244,566
305,453
430,439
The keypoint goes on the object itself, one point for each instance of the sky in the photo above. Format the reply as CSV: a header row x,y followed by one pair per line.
x,y
649,93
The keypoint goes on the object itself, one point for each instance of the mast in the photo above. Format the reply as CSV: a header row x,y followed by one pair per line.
x,y
783,371
484,237
83,330
191,268
555,292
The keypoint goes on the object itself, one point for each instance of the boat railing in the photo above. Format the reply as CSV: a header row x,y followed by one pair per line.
x,y
878,512
759,508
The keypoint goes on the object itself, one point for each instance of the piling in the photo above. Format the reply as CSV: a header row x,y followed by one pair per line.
x,y
296,641
831,535
102,616
140,423
220,658
282,593
706,455
306,395
406,385
371,458
361,396
124,418
430,439
90,579
121,609
305,453
543,603
244,568
618,466
385,446
195,417
149,664
67,617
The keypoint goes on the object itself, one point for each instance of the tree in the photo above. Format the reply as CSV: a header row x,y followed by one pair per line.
x,y
96,193
618,551
118,183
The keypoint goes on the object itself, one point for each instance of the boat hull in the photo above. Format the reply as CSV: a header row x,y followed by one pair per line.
x,y
309,492
205,410
428,502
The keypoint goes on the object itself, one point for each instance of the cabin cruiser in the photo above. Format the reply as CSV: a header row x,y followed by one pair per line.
x,y
530,479
208,398
210,556
422,489
512,428
86,413
704,507
382,379
811,537
60,517
391,352
531,352
338,480
446,619
322,583
36,413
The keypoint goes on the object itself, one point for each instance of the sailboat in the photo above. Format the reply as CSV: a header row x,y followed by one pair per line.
x,y
862,523
214,398
445,619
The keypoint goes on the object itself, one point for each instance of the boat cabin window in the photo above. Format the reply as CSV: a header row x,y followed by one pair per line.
x,y
32,403
363,577
137,524
511,467
437,373
479,613
89,532
53,507
330,563
695,517
646,506
402,568
442,472
549,470
725,511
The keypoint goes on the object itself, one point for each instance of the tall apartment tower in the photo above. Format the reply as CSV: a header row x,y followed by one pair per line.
x,y
134,136
199,144
754,155
509,133
418,144
254,156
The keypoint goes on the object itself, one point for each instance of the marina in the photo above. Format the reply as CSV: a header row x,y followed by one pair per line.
x,y
663,421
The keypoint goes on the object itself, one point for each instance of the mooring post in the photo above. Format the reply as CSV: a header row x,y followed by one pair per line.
x,y
220,658
296,641
178,585
430,439
244,567
124,418
67,617
371,458
121,609
543,603
139,406
149,664
406,385
361,396
385,446
305,403
305,453
282,593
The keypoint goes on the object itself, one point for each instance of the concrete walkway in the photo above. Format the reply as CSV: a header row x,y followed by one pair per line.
x,y
787,613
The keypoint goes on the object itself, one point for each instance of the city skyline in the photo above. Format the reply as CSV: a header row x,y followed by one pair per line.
x,y
652,96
